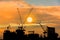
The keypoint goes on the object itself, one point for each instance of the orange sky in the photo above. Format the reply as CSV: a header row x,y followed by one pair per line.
x,y
8,11
50,15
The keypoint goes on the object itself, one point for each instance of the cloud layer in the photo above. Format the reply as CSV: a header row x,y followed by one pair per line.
x,y
50,15
8,12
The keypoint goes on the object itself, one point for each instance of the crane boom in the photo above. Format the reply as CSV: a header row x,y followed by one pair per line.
x,y
42,27
28,14
19,16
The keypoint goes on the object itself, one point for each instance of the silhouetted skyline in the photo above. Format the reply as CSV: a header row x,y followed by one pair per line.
x,y
19,34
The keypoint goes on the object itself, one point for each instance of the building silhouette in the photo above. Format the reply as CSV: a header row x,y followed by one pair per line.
x,y
19,34
51,33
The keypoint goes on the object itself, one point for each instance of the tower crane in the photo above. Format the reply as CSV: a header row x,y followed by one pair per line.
x,y
27,16
43,29
20,16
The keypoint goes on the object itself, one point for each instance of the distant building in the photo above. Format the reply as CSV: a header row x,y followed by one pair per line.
x,y
6,35
51,33
20,33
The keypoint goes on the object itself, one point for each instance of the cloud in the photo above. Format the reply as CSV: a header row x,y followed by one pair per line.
x,y
8,12
50,15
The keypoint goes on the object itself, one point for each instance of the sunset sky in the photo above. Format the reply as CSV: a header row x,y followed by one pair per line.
x,y
48,11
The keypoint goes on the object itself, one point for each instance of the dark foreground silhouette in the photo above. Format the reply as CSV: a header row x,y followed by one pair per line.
x,y
19,34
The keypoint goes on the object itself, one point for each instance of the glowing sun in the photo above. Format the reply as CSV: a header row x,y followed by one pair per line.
x,y
29,19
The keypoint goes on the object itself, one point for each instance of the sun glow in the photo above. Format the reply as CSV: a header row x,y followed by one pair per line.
x,y
29,19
